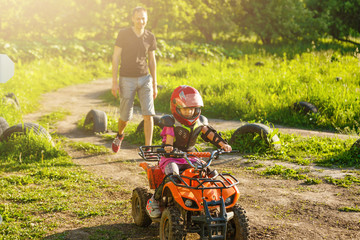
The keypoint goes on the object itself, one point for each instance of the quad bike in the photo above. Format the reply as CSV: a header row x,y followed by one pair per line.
x,y
196,201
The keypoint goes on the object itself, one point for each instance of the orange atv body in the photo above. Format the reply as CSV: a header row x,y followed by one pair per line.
x,y
154,174
194,187
196,201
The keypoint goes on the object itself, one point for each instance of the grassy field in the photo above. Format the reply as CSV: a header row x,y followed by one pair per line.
x,y
31,79
239,89
38,193
41,187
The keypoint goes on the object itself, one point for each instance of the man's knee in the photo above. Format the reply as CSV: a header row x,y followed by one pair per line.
x,y
122,122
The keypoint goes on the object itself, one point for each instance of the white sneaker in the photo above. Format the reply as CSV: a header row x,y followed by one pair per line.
x,y
152,208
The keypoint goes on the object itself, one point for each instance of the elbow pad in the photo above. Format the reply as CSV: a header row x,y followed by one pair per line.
x,y
217,137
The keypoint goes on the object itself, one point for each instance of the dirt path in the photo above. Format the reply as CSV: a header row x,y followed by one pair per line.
x,y
277,208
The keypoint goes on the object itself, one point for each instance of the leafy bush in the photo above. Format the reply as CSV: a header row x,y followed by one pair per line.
x,y
29,148
284,172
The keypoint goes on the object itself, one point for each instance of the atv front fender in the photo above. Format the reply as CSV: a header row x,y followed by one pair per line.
x,y
154,174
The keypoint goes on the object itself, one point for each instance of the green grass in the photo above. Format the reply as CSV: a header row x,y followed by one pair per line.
x,y
237,89
39,191
51,119
23,149
302,174
287,173
40,185
89,148
349,209
323,151
34,78
346,181
33,200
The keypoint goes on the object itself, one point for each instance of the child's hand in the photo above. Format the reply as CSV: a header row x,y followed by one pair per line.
x,y
168,149
227,148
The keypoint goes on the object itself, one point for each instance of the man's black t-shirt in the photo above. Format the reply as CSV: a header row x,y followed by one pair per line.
x,y
134,52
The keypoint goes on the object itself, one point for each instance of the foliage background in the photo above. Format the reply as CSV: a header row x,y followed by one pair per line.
x,y
269,21
71,41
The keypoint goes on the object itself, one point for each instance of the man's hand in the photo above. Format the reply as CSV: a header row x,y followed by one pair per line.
x,y
115,90
155,91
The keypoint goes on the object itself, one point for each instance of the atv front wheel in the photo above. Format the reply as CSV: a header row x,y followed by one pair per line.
x,y
139,199
238,227
171,225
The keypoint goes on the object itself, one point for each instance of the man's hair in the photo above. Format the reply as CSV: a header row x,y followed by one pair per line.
x,y
139,9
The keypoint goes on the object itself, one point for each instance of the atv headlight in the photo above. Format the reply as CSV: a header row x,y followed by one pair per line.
x,y
190,203
229,200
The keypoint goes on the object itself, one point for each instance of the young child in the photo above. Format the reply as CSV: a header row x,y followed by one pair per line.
x,y
180,131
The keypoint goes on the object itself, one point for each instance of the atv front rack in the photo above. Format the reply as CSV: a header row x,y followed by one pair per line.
x,y
198,183
150,153
155,152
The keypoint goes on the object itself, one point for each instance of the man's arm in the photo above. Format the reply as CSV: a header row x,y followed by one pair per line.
x,y
115,68
152,67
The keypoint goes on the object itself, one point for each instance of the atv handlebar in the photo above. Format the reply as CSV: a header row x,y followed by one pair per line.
x,y
155,152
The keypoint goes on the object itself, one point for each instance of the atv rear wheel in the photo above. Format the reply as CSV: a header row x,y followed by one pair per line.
x,y
172,225
238,227
139,199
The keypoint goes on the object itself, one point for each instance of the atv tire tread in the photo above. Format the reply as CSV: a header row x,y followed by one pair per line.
x,y
305,107
3,125
139,199
260,129
24,128
241,223
176,224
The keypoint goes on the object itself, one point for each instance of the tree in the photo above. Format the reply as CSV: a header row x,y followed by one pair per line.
x,y
66,19
343,17
191,18
271,20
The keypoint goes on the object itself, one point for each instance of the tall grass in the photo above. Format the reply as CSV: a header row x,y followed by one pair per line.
x,y
238,89
233,87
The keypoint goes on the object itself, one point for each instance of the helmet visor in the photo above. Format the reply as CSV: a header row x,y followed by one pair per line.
x,y
189,113
189,100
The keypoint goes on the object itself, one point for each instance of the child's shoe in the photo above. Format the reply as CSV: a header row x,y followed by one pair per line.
x,y
152,208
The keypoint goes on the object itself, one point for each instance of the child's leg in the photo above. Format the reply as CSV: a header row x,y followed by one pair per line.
x,y
172,168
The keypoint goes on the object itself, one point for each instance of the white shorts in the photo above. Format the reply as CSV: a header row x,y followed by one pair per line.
x,y
128,88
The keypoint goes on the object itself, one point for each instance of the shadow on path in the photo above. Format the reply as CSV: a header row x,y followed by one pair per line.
x,y
111,232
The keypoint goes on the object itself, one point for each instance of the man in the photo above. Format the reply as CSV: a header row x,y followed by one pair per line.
x,y
133,47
